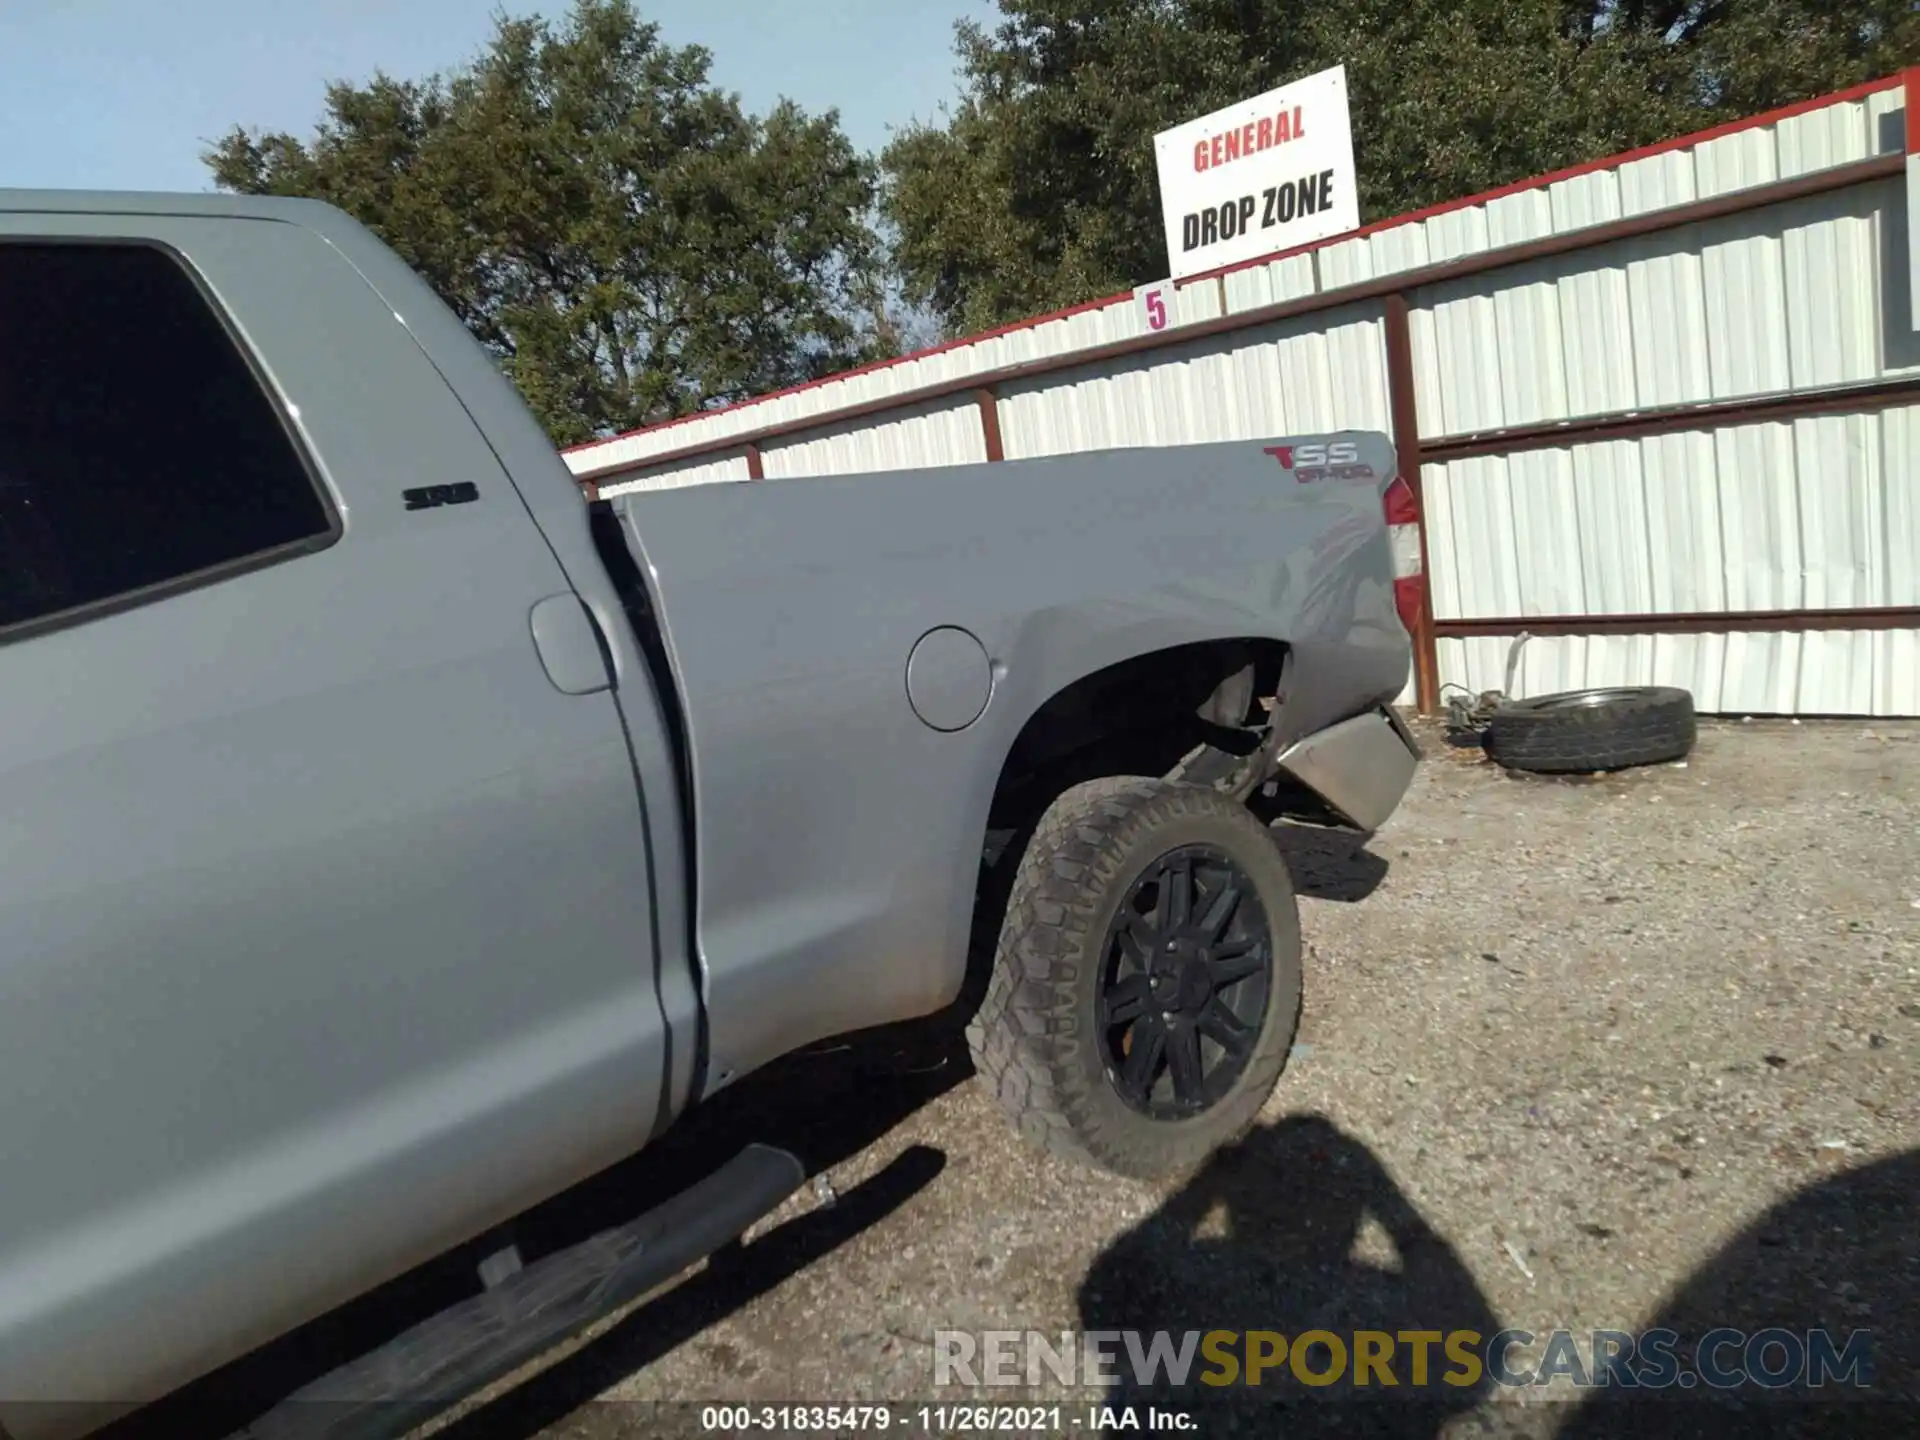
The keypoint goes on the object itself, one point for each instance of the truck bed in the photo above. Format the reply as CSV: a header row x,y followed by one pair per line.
x,y
835,829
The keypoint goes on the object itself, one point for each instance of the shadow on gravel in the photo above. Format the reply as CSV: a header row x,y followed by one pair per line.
x,y
1839,1256
824,1106
1329,864
1263,1238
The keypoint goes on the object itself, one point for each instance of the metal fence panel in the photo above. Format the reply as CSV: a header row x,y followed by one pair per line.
x,y
732,467
931,435
1789,298
1818,513
1313,374
1815,672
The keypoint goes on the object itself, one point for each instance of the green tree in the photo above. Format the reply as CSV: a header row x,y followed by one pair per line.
x,y
1039,188
629,242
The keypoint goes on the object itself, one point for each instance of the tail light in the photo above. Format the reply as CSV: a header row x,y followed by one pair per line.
x,y
1403,535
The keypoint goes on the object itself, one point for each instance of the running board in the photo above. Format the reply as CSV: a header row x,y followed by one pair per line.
x,y
429,1369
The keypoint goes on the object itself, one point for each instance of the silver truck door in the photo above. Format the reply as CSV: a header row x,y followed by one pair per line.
x,y
324,911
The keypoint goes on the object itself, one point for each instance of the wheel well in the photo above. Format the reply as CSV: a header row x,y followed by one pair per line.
x,y
1139,717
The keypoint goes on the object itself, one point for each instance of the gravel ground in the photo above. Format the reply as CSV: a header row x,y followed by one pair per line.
x,y
1603,1053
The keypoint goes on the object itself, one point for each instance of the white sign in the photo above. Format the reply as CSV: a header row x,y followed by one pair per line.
x,y
1156,304
1264,175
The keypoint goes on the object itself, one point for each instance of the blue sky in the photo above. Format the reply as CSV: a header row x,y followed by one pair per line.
x,y
122,94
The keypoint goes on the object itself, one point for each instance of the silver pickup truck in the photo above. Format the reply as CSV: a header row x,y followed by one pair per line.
x,y
391,839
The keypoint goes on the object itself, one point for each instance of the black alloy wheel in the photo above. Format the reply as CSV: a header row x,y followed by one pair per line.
x,y
1186,979
1145,988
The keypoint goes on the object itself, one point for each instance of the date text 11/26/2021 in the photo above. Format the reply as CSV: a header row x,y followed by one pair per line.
x,y
1275,205
942,1419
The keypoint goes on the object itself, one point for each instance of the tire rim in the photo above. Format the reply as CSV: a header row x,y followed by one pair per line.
x,y
1184,983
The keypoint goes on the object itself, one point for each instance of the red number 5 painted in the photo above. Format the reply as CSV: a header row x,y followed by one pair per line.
x,y
1153,303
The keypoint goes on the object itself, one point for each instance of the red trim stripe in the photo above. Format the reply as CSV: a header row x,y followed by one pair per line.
x,y
1908,78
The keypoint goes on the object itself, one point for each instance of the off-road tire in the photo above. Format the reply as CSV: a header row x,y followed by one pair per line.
x,y
1034,1039
1580,731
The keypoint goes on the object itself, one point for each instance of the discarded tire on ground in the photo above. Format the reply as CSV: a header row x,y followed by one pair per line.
x,y
1586,730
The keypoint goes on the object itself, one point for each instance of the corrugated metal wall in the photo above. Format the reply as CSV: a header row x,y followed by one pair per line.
x,y
1818,512
946,434
1325,372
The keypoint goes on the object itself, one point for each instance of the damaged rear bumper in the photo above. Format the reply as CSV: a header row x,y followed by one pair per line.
x,y
1361,768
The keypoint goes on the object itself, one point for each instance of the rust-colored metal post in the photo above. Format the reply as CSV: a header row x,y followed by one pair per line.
x,y
1406,445
989,403
756,470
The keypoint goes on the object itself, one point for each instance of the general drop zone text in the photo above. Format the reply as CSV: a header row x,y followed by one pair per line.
x,y
1276,205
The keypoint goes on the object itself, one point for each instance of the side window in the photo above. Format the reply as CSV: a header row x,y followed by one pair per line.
x,y
137,447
